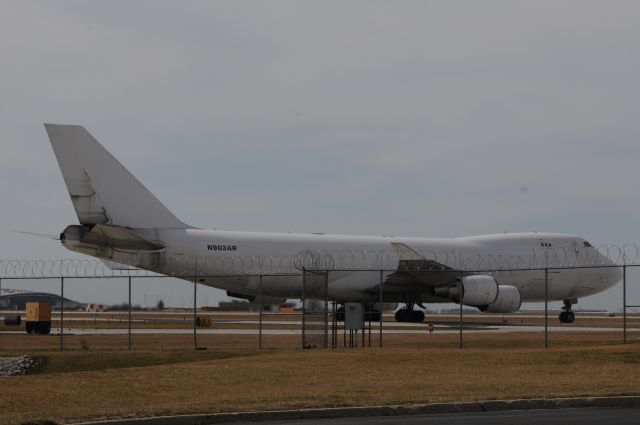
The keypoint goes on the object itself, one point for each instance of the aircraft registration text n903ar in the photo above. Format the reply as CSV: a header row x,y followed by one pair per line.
x,y
222,247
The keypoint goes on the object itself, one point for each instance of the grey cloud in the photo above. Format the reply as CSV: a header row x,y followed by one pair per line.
x,y
414,118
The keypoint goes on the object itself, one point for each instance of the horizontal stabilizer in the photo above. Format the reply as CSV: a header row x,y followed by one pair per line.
x,y
112,265
102,235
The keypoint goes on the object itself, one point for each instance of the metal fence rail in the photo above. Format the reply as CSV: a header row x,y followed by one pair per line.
x,y
313,322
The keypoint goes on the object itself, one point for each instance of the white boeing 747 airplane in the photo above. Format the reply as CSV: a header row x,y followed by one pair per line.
x,y
122,222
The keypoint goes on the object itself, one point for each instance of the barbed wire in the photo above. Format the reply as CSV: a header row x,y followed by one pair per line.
x,y
323,260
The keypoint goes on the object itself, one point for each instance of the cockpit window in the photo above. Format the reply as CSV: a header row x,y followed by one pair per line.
x,y
587,244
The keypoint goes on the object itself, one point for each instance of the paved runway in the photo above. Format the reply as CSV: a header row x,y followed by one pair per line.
x,y
201,331
584,416
181,324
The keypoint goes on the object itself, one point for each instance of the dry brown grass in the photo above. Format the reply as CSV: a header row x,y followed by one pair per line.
x,y
164,375
166,340
91,385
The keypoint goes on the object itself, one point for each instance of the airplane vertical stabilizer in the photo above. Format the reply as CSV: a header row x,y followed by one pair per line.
x,y
102,190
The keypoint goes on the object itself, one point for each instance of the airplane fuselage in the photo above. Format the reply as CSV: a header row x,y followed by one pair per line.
x,y
234,261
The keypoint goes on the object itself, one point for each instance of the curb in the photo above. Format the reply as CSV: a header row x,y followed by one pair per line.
x,y
399,410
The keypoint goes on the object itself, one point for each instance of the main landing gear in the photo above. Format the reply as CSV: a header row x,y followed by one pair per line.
x,y
408,314
567,316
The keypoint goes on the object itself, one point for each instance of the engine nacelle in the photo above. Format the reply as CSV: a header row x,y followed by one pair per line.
x,y
508,301
477,291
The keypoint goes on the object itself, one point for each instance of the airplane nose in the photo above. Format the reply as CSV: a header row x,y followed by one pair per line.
x,y
613,275
610,274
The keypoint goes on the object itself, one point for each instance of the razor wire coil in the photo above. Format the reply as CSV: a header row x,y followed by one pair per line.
x,y
323,260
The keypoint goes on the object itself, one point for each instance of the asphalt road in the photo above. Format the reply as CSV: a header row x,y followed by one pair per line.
x,y
583,416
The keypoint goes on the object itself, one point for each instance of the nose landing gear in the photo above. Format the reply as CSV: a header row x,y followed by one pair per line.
x,y
567,316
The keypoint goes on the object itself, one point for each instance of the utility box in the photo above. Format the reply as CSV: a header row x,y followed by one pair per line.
x,y
353,316
38,318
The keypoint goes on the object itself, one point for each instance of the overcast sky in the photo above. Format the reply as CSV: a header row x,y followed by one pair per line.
x,y
397,117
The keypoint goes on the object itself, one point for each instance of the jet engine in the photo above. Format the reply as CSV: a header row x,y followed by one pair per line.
x,y
477,291
508,301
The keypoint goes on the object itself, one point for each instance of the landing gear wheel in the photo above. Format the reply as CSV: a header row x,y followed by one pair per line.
x,y
400,314
340,314
409,315
567,317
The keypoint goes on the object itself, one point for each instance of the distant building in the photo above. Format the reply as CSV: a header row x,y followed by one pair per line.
x,y
238,305
18,300
96,308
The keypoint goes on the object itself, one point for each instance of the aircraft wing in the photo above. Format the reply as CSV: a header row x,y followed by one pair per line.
x,y
417,271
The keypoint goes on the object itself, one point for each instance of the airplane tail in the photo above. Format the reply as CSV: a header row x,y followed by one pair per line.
x,y
102,190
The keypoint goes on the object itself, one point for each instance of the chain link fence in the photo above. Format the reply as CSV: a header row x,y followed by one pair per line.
x,y
98,306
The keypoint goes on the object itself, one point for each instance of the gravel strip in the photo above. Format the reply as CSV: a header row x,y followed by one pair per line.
x,y
12,366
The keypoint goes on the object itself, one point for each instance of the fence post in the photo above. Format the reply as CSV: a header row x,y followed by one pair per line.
x,y
364,326
460,292
326,310
195,289
624,304
334,326
381,281
546,308
129,321
369,322
304,277
260,313
61,313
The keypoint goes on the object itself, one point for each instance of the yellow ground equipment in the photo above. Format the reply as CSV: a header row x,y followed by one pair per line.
x,y
38,318
203,322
